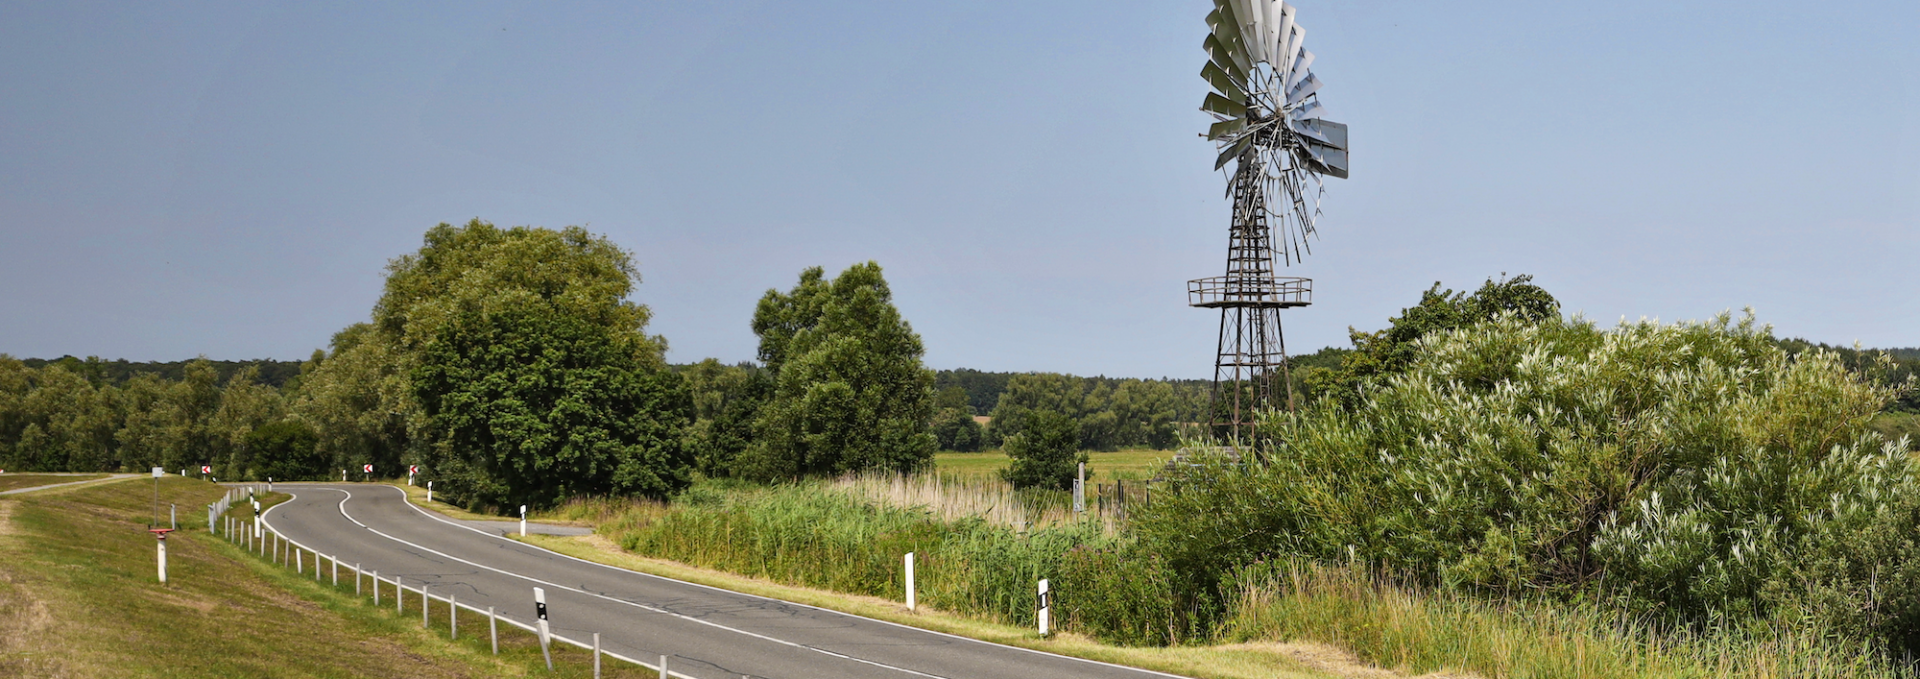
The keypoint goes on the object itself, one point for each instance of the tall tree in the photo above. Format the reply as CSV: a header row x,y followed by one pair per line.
x,y
850,393
534,373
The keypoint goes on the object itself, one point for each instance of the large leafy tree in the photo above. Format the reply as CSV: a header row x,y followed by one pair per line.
x,y
1046,453
534,375
1383,353
850,393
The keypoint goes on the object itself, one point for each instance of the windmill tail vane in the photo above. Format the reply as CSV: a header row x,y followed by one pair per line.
x,y
1269,123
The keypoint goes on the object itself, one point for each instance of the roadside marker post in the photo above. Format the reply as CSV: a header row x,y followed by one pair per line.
x,y
910,598
162,534
523,521
366,472
429,492
663,667
411,470
596,655
1045,604
540,611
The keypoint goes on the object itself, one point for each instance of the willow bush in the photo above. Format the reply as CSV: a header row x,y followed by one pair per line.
x,y
1694,472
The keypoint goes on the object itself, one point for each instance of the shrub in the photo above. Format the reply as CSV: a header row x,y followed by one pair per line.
x,y
1692,470
1046,453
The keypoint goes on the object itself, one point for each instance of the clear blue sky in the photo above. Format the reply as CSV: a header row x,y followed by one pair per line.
x,y
229,179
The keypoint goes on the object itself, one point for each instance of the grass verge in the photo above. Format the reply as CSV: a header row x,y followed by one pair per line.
x,y
79,598
15,481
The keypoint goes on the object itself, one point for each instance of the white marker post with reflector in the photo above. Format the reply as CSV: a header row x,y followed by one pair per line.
x,y
540,610
523,521
162,534
910,600
1045,604
429,492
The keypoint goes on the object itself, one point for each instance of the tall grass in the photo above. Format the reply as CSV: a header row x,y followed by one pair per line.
x,y
956,498
828,536
1424,630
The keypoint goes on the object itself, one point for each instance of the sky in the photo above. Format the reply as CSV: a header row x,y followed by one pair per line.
x,y
181,179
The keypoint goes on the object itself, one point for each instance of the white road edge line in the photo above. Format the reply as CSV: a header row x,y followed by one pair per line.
x,y
442,519
644,607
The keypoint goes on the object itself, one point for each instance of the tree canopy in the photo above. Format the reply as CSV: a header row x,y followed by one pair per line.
x,y
850,393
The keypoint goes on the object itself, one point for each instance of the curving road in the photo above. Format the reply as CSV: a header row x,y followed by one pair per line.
x,y
707,633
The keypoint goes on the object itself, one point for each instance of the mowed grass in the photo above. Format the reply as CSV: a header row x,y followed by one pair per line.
x,y
15,481
79,598
1134,464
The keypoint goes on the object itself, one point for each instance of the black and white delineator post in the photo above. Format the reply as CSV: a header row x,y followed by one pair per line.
x,y
910,597
429,492
1046,604
540,610
523,521
162,534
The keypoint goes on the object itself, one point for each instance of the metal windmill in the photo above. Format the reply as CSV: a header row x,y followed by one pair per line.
x,y
1270,130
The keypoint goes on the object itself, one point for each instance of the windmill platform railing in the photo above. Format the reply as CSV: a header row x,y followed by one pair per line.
x,y
1249,291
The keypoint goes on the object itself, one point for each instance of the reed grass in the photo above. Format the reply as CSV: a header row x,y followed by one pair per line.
x,y
1420,630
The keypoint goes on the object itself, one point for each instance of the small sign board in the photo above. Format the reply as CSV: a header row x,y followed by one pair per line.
x,y
159,472
367,468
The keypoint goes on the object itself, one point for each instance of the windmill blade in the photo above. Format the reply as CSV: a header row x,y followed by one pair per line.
x,y
1223,106
1226,29
1293,41
1283,33
1223,83
1307,86
1300,65
1230,59
1251,21
1226,129
1308,111
1333,162
1232,151
1325,132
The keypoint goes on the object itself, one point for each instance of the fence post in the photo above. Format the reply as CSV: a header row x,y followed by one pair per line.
x,y
453,618
426,603
1080,490
298,561
596,655
376,588
399,596
493,630
336,571
663,667
356,578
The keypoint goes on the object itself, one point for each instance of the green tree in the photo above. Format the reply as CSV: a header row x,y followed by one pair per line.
x,y
534,375
727,400
850,393
286,451
534,406
1046,453
956,430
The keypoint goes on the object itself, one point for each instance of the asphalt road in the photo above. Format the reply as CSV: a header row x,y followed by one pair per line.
x,y
706,633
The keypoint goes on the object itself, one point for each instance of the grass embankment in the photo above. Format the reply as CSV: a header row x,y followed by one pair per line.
x,y
79,597
15,481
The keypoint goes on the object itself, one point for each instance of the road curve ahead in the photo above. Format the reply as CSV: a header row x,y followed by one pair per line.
x,y
706,633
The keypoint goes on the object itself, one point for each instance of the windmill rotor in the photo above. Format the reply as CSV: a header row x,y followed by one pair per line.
x,y
1269,119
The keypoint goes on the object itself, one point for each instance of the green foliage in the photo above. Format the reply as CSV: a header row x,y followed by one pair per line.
x,y
117,372
849,391
1695,471
287,451
1382,353
1046,453
982,389
956,430
1109,412
727,400
359,397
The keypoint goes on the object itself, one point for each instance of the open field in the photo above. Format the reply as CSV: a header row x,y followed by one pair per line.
x,y
1136,464
12,481
78,598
